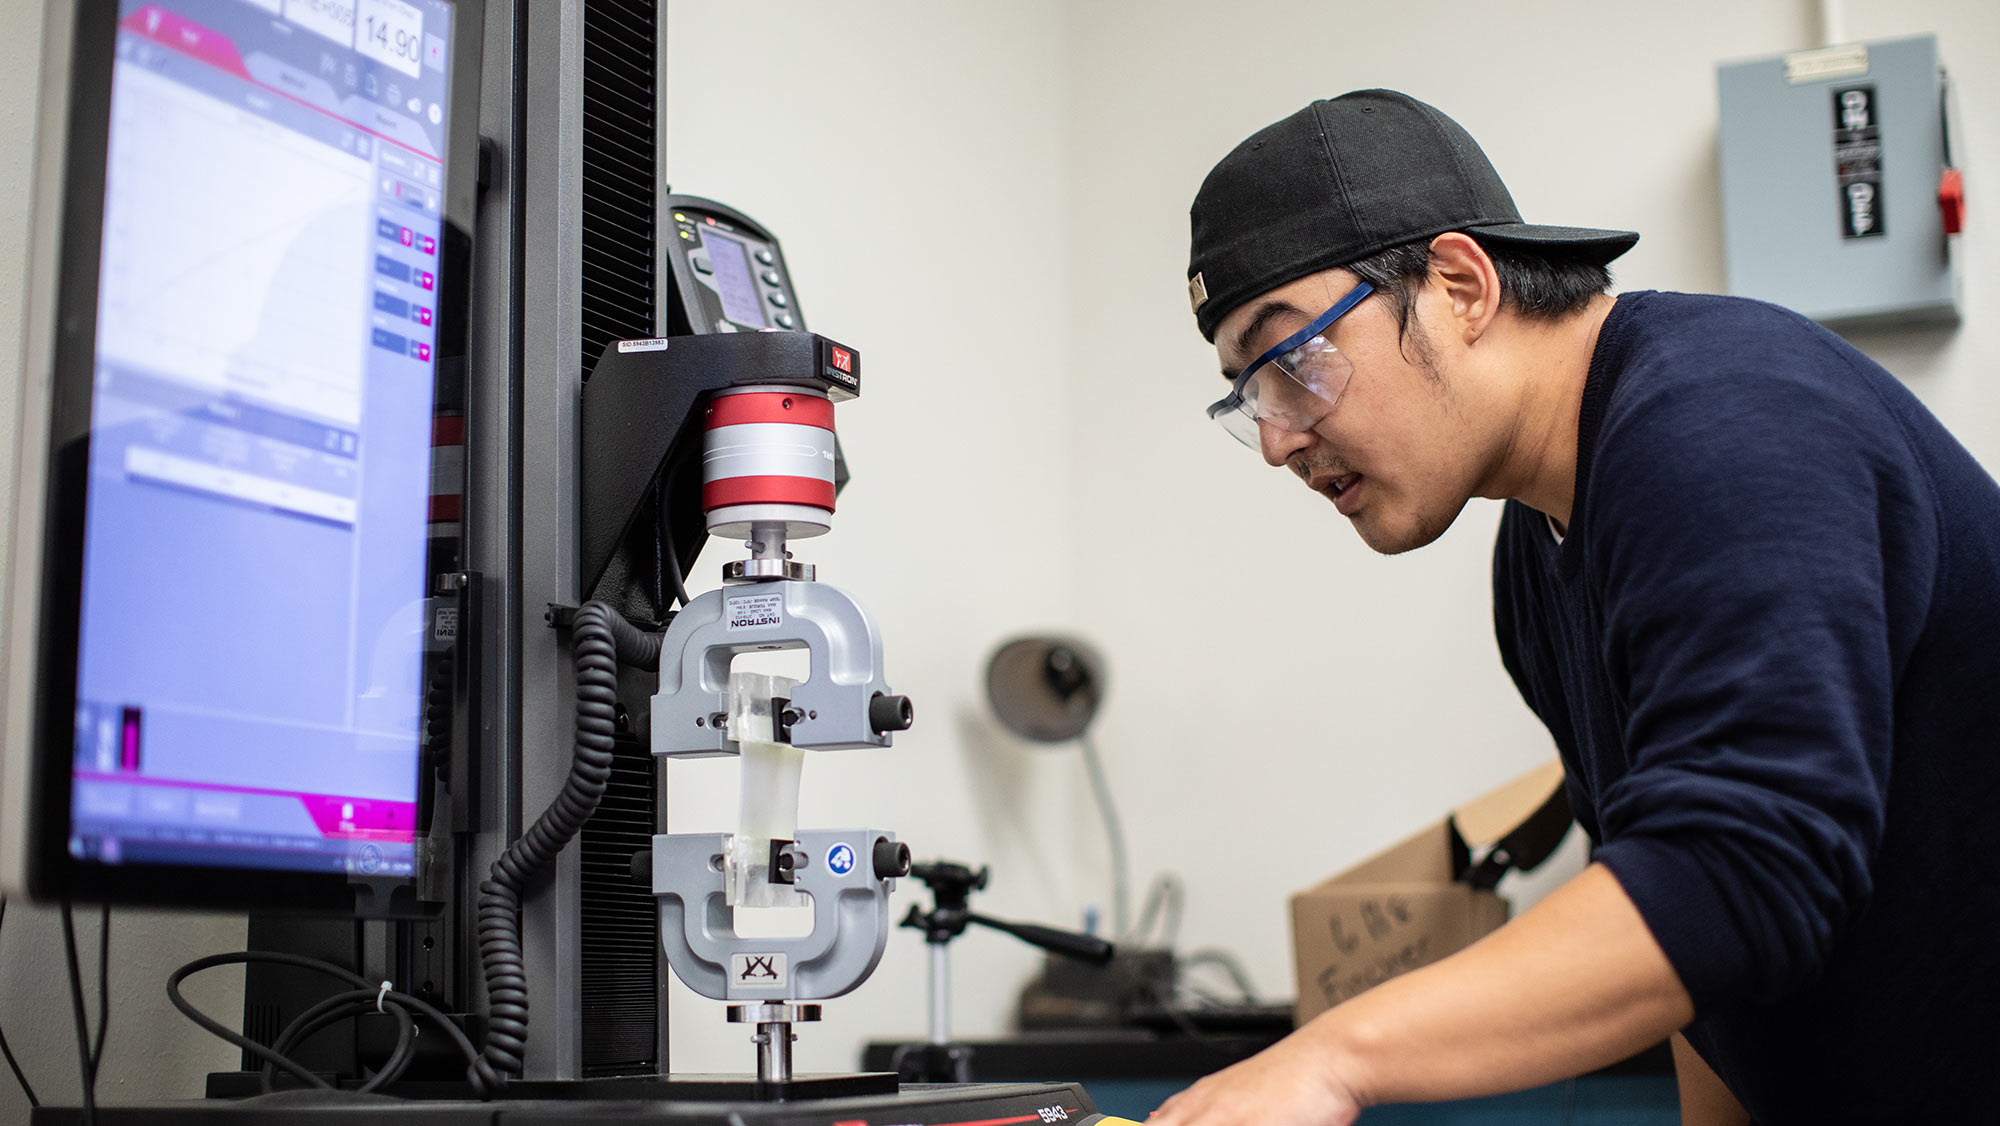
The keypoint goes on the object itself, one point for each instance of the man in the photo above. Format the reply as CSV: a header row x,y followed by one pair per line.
x,y
1748,582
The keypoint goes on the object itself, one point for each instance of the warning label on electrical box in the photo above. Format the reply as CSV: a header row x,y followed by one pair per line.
x,y
753,611
1857,161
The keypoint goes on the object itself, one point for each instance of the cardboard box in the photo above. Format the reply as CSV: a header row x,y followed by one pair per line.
x,y
1418,901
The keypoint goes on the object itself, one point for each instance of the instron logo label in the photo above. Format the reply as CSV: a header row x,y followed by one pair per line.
x,y
755,611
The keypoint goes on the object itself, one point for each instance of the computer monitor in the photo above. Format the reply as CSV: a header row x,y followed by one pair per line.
x,y
238,479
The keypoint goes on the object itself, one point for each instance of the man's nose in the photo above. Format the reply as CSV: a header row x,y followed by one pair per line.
x,y
1278,443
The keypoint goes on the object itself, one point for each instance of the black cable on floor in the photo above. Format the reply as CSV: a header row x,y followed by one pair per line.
x,y
20,1076
340,1007
103,991
365,996
83,1053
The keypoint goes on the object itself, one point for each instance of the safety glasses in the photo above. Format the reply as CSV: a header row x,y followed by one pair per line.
x,y
1293,385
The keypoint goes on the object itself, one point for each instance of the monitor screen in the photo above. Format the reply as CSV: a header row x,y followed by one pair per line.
x,y
251,574
734,280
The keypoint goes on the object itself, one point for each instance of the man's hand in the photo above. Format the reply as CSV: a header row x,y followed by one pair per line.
x,y
1295,1082
1576,983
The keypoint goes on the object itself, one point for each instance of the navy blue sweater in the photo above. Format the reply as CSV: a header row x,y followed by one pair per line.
x,y
1769,651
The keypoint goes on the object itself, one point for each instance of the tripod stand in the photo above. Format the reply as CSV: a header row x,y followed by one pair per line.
x,y
951,885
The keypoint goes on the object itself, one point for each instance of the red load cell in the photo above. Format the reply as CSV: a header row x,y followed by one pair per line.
x,y
767,458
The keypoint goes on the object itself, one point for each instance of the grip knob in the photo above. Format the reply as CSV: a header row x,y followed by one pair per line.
x,y
892,859
890,713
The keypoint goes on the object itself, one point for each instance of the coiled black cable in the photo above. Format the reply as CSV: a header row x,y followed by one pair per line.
x,y
600,639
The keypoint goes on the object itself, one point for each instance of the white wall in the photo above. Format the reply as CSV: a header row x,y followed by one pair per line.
x,y
989,200
912,159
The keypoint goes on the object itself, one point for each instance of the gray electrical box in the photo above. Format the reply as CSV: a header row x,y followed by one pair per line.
x,y
1831,161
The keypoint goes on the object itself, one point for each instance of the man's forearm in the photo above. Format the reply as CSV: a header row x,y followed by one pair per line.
x,y
1574,984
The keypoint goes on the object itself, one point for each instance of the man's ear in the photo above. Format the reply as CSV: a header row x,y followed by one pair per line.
x,y
1464,276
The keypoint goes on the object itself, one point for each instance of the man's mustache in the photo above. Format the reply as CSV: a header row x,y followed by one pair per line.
x,y
1306,468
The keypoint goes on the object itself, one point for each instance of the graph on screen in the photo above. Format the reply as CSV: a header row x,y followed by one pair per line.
x,y
281,243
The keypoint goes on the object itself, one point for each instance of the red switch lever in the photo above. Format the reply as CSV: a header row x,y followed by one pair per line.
x,y
1951,200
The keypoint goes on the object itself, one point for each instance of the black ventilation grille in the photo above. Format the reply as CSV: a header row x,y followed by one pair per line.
x,y
621,923
620,172
620,931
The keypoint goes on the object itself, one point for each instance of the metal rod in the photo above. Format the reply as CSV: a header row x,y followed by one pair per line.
x,y
767,540
1114,832
940,994
774,1052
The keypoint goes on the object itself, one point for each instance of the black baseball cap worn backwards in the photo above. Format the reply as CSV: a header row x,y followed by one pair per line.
x,y
1345,178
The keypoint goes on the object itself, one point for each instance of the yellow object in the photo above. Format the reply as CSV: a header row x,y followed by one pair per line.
x,y
1108,1120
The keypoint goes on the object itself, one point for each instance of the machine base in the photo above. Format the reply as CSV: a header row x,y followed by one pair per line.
x,y
985,1104
651,1088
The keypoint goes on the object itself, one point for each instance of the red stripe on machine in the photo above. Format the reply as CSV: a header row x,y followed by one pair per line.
x,y
770,406
731,491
